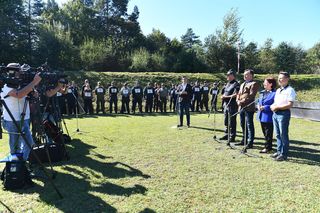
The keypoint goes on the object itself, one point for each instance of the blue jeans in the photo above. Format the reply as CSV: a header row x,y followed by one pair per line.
x,y
16,142
184,108
281,121
246,118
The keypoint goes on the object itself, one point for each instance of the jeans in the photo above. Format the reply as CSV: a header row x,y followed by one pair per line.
x,y
281,121
16,142
246,120
184,108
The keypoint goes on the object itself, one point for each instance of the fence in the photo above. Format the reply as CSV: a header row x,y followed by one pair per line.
x,y
306,110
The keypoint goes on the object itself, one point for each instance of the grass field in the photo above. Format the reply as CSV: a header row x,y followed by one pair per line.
x,y
142,164
307,86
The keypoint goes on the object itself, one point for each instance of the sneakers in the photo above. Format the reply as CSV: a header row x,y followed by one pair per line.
x,y
280,158
275,155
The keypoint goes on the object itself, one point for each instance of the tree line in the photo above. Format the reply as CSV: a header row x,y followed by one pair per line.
x,y
102,35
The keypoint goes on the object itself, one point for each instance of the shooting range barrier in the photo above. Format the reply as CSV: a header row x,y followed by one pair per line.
x,y
306,110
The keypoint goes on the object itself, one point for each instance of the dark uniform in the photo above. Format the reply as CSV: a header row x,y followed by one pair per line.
x,y
125,99
184,102
205,97
173,98
163,95
62,102
214,91
156,99
87,99
113,98
100,92
196,98
230,106
137,95
72,96
148,95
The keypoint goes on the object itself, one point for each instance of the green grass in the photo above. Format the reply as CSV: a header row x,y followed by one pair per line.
x,y
307,86
141,164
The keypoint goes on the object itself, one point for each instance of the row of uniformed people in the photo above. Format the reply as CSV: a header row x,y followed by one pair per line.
x,y
156,97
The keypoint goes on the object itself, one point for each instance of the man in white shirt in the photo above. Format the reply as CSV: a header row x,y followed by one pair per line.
x,y
16,101
283,101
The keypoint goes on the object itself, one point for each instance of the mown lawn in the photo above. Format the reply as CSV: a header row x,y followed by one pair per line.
x,y
142,164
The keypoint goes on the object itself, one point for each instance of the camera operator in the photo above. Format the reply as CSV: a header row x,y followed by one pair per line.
x,y
16,101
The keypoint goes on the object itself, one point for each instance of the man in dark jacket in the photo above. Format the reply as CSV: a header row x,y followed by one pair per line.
x,y
205,96
100,92
148,95
137,95
185,95
196,97
113,97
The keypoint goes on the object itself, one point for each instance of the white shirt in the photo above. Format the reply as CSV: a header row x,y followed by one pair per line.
x,y
284,96
15,105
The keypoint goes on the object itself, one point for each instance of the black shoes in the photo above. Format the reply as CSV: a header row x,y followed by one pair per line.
x,y
224,137
265,151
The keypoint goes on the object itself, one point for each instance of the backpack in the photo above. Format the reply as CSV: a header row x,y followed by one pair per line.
x,y
15,175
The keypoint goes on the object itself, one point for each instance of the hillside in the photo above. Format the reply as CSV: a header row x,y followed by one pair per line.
x,y
307,86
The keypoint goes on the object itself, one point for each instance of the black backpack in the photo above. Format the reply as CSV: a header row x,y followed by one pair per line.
x,y
15,175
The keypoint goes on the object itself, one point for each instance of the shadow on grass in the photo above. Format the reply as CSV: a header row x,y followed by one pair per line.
x,y
304,155
86,181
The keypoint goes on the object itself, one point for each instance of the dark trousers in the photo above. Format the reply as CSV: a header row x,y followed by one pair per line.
x,y
156,104
214,102
113,101
134,104
184,109
149,105
233,120
100,105
72,106
88,108
246,120
173,102
194,106
163,104
62,104
267,129
125,105
204,102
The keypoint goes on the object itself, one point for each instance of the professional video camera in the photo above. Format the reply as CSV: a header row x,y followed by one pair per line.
x,y
16,77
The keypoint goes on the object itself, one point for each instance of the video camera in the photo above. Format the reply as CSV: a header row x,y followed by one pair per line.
x,y
18,77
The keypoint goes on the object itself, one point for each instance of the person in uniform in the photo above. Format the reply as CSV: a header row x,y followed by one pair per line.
x,y
184,91
72,98
125,98
196,97
163,96
156,100
283,101
113,97
247,107
137,95
148,95
173,98
100,92
87,99
214,91
205,96
230,106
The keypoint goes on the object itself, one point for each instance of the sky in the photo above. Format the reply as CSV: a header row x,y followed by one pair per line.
x,y
295,21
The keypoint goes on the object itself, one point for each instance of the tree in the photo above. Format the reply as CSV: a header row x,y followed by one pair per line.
x,y
189,39
157,41
251,55
221,47
267,63
285,57
313,58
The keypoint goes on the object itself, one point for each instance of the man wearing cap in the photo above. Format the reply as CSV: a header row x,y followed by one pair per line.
x,y
125,98
15,99
113,97
148,95
100,92
283,101
205,96
214,91
196,97
137,95
246,103
230,106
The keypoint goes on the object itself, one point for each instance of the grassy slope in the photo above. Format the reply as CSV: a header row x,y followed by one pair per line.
x,y
307,86
136,163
